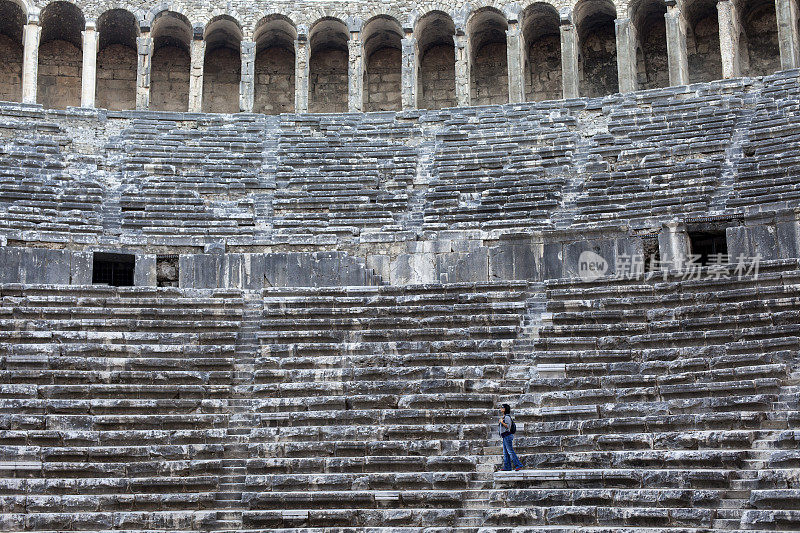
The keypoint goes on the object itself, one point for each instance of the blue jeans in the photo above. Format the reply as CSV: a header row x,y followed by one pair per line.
x,y
508,453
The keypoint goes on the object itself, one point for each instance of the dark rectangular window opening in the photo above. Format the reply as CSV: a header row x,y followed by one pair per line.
x,y
167,270
113,269
708,244
652,255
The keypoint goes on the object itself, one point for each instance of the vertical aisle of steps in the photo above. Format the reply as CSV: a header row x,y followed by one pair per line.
x,y
262,200
234,462
489,458
734,154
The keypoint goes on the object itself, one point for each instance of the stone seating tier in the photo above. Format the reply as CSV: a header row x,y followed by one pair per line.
x,y
362,407
724,148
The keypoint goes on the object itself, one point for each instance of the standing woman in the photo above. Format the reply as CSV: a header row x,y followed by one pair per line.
x,y
508,438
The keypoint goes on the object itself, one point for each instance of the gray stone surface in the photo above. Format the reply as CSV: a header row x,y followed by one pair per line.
x,y
642,406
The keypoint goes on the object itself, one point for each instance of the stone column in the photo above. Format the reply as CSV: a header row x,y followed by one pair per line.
x,y
463,85
247,84
89,69
677,58
786,14
569,56
30,62
355,73
301,57
674,246
409,70
626,55
144,45
515,48
729,38
198,56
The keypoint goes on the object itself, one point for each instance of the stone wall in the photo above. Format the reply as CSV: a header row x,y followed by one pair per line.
x,y
437,82
116,77
490,75
274,81
759,50
59,83
169,85
543,79
598,61
222,72
652,68
382,81
327,87
10,69
702,45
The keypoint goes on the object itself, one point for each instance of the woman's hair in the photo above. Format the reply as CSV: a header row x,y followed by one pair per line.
x,y
507,408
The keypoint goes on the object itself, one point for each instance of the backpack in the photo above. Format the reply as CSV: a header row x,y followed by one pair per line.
x,y
513,428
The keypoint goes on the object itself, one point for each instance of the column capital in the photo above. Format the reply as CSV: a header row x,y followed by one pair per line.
x,y
565,18
354,40
513,28
33,18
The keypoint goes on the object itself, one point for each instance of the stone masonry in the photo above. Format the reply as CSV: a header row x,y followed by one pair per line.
x,y
275,267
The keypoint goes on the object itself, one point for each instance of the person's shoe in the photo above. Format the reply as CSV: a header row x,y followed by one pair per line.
x,y
517,468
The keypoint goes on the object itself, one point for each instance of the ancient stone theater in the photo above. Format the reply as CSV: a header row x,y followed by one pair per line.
x,y
277,265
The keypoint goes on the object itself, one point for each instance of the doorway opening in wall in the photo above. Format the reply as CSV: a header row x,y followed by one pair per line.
x,y
113,269
710,245
167,270
652,256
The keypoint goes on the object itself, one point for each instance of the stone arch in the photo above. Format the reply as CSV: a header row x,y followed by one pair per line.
x,y
542,55
170,64
436,61
488,57
597,47
652,67
116,60
222,66
382,41
759,52
328,66
60,55
275,65
702,41
12,22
